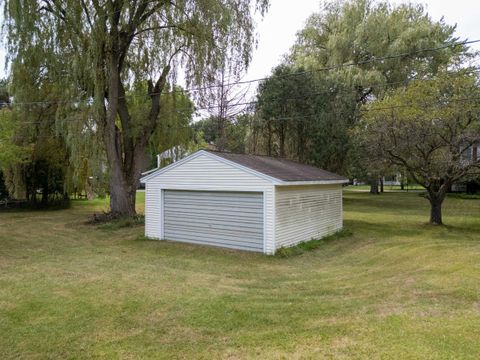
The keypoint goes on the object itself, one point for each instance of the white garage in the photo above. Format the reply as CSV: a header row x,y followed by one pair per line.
x,y
245,202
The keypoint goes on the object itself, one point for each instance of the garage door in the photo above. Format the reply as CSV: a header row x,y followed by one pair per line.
x,y
229,219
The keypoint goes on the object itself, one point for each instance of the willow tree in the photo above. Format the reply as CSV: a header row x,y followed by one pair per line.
x,y
106,46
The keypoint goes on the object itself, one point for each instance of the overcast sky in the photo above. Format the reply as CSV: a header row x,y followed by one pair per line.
x,y
276,32
278,29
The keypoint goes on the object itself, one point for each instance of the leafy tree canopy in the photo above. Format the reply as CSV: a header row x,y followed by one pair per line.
x,y
431,129
359,31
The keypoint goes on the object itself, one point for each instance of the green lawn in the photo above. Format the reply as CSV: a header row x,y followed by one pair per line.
x,y
387,188
396,288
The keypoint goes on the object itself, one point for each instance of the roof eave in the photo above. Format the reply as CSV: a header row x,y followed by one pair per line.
x,y
314,182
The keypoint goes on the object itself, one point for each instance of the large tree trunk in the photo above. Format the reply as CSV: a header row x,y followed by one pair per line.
x,y
126,161
125,172
119,148
122,194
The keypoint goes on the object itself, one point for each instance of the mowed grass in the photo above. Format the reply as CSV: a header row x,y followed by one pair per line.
x,y
396,288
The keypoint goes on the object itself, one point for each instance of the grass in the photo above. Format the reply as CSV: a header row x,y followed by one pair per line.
x,y
312,244
393,288
464,196
407,188
123,222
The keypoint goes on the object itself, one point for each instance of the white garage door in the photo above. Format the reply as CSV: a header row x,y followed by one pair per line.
x,y
228,219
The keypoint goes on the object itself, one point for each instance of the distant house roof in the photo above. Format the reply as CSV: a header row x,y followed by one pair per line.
x,y
282,169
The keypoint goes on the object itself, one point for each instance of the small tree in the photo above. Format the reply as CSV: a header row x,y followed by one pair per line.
x,y
427,128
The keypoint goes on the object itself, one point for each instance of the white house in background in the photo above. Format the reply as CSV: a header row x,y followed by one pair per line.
x,y
172,155
470,155
245,202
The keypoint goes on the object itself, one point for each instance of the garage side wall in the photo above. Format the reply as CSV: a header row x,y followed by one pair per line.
x,y
153,210
306,212
204,173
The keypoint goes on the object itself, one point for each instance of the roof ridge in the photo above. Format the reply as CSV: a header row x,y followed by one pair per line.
x,y
259,155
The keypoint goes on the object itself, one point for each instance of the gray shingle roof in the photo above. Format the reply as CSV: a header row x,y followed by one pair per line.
x,y
282,169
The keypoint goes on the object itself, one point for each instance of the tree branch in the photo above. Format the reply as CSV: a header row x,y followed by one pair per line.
x,y
87,14
153,28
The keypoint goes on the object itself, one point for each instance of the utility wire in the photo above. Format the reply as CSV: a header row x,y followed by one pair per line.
x,y
300,97
373,59
303,96
287,118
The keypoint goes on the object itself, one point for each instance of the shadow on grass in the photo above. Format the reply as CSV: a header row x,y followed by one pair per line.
x,y
27,207
120,223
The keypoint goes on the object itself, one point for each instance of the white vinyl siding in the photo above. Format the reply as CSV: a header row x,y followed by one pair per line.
x,y
204,173
153,210
227,219
306,212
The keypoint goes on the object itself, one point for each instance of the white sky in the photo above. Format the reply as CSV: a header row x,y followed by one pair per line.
x,y
277,31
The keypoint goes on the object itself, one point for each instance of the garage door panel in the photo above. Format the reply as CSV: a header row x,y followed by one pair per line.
x,y
218,236
195,209
246,233
221,216
226,244
251,204
208,194
230,219
198,225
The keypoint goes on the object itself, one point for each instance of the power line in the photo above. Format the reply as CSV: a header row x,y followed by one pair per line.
x,y
430,106
373,59
303,96
288,118
250,103
334,67
471,70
